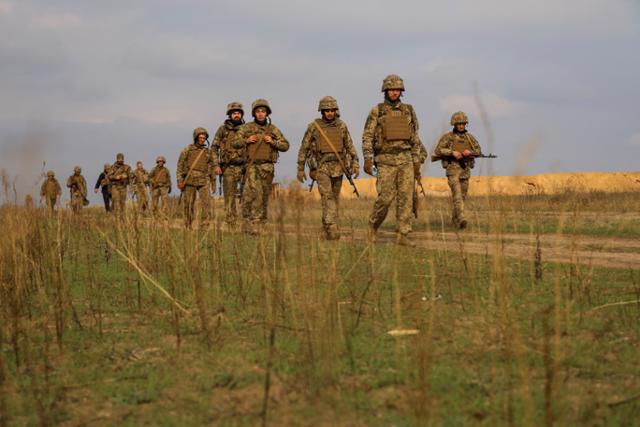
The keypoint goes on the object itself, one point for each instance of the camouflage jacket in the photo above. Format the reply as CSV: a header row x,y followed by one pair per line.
x,y
376,147
119,174
160,177
50,188
78,185
196,166
280,144
443,148
139,179
327,162
223,148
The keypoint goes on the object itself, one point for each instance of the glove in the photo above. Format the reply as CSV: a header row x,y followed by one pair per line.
x,y
368,166
301,176
416,169
313,174
355,170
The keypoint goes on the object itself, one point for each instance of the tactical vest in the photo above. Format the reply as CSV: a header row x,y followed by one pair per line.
x,y
395,124
51,188
120,170
261,151
334,134
198,160
228,139
461,143
229,154
161,177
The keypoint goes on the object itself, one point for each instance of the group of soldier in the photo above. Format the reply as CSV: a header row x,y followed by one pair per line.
x,y
244,155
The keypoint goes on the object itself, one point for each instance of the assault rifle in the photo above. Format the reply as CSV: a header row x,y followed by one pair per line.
x,y
415,196
435,158
313,165
345,169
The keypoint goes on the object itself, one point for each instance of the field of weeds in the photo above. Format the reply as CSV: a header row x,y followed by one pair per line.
x,y
530,317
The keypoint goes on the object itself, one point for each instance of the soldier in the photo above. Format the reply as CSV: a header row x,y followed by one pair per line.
x,y
390,141
139,183
263,141
103,184
232,160
119,176
196,176
160,187
78,187
51,192
328,144
458,149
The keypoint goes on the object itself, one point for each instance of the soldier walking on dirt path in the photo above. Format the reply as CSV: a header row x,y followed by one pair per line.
x,y
263,141
140,183
457,150
51,192
328,143
119,177
390,141
78,188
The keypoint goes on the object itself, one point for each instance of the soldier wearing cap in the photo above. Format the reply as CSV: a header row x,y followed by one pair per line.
x,y
119,177
160,178
457,150
327,143
78,187
263,141
391,143
103,184
232,160
140,183
51,192
196,173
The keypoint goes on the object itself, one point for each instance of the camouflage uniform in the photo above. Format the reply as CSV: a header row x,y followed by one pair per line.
x,y
51,191
328,170
78,187
160,178
261,158
119,176
140,182
391,140
196,172
458,171
232,161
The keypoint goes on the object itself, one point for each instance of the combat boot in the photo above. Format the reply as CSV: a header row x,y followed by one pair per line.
x,y
462,224
332,232
372,233
403,240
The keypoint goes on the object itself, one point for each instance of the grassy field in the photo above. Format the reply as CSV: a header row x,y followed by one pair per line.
x,y
150,324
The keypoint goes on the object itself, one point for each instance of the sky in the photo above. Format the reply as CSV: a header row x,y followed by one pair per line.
x,y
83,80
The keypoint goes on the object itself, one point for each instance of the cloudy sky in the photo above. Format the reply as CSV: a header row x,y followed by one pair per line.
x,y
83,80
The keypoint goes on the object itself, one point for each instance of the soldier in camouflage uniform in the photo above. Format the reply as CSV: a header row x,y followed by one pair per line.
x,y
139,184
232,160
78,188
263,141
329,158
457,150
119,177
197,176
391,142
160,178
51,192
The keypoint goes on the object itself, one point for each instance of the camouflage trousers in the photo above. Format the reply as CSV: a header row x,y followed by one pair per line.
x,y
231,178
77,202
458,178
394,183
142,199
119,199
256,191
51,204
189,204
159,200
329,188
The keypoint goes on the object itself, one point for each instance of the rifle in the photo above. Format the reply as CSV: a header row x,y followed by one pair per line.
x,y
313,165
435,158
345,170
415,196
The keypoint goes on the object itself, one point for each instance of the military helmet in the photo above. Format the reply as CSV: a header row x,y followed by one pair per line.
x,y
459,117
392,81
77,169
198,131
107,165
119,156
51,173
234,106
328,103
161,159
260,103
